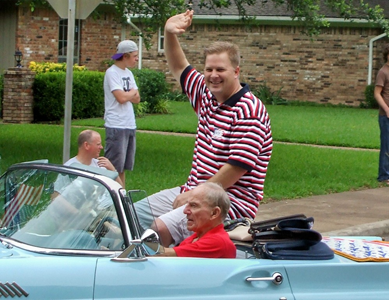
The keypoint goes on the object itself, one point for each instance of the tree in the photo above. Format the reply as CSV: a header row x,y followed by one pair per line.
x,y
309,14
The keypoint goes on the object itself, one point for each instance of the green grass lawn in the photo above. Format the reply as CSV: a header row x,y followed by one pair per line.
x,y
336,126
164,161
349,127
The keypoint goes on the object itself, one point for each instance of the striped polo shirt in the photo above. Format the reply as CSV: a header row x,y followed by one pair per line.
x,y
236,132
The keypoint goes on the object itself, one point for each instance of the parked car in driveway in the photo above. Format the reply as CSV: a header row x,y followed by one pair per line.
x,y
73,233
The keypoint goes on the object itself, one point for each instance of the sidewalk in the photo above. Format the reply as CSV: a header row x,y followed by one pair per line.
x,y
357,213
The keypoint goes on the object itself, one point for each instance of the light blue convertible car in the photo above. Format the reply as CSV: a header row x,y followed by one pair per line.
x,y
71,233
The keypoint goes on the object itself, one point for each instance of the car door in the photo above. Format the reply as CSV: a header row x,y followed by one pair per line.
x,y
37,277
192,278
340,280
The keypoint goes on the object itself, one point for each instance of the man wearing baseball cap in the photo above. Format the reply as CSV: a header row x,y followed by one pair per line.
x,y
120,92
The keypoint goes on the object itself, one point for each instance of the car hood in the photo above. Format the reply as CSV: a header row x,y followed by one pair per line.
x,y
4,251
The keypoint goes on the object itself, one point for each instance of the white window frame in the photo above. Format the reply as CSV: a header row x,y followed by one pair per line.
x,y
161,39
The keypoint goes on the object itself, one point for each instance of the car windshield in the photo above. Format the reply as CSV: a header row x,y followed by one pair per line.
x,y
45,208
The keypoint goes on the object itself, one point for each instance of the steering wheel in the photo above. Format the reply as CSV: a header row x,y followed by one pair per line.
x,y
101,230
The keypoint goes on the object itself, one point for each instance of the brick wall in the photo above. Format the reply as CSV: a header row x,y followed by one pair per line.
x,y
331,69
18,97
37,37
99,40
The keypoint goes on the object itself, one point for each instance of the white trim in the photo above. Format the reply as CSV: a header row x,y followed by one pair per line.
x,y
161,37
140,43
371,56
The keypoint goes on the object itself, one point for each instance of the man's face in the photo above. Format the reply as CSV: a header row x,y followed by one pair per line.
x,y
220,76
94,146
131,59
198,212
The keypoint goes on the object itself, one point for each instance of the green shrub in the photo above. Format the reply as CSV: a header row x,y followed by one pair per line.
x,y
175,96
161,107
151,85
141,109
1,94
264,93
49,96
88,94
370,101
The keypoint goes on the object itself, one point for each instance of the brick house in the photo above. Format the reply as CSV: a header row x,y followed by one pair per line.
x,y
333,68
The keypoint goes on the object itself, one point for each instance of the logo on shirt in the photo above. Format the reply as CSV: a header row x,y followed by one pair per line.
x,y
218,134
126,83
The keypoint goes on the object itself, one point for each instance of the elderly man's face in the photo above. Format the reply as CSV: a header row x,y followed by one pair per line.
x,y
198,212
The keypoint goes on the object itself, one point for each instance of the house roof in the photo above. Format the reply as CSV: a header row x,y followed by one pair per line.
x,y
268,8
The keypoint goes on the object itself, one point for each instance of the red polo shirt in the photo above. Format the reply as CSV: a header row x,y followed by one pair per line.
x,y
216,243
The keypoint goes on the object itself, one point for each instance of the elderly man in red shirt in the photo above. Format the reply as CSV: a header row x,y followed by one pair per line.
x,y
206,210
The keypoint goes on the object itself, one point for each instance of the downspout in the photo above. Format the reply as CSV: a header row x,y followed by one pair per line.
x,y
140,46
371,55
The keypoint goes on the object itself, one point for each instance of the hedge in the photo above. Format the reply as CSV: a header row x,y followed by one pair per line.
x,y
88,93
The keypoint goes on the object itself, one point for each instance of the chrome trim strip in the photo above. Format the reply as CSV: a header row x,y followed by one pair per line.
x,y
20,289
12,290
52,251
128,260
19,294
7,290
2,293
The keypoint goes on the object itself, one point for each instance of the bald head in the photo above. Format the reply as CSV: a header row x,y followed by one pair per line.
x,y
86,136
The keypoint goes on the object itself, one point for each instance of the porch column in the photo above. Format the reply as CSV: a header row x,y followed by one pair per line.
x,y
18,96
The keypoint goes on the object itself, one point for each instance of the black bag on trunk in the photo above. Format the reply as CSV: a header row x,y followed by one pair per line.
x,y
290,237
296,250
270,224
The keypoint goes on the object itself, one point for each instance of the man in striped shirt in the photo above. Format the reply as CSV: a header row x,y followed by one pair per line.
x,y
233,143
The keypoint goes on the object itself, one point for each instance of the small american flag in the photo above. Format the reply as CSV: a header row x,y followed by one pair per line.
x,y
26,195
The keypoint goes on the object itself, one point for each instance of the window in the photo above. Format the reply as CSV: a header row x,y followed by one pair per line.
x,y
63,41
161,39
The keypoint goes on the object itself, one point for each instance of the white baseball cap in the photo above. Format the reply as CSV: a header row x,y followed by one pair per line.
x,y
125,46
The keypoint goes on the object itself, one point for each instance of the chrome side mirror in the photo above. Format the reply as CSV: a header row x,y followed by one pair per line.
x,y
149,242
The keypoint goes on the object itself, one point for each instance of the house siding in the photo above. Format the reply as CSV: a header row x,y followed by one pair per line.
x,y
333,68
8,22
